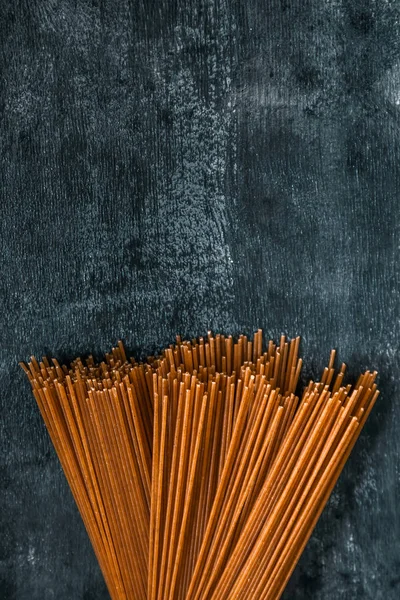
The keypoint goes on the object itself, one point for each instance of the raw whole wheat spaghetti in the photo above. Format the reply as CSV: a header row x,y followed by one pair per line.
x,y
200,474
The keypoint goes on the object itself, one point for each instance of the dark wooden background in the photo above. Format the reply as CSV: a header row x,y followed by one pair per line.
x,y
178,166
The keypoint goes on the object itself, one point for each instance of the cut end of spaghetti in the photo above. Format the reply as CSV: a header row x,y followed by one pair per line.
x,y
200,473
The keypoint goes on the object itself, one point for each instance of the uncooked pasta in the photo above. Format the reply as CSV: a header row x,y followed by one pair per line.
x,y
200,473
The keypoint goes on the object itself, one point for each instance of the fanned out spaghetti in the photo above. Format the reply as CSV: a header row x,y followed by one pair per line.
x,y
200,474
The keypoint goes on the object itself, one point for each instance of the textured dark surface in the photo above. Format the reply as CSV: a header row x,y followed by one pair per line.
x,y
173,167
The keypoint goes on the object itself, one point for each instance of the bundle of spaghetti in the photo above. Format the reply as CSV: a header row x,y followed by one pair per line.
x,y
265,551
214,431
100,420
200,474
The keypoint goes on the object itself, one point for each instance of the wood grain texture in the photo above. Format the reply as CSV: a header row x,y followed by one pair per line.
x,y
177,166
